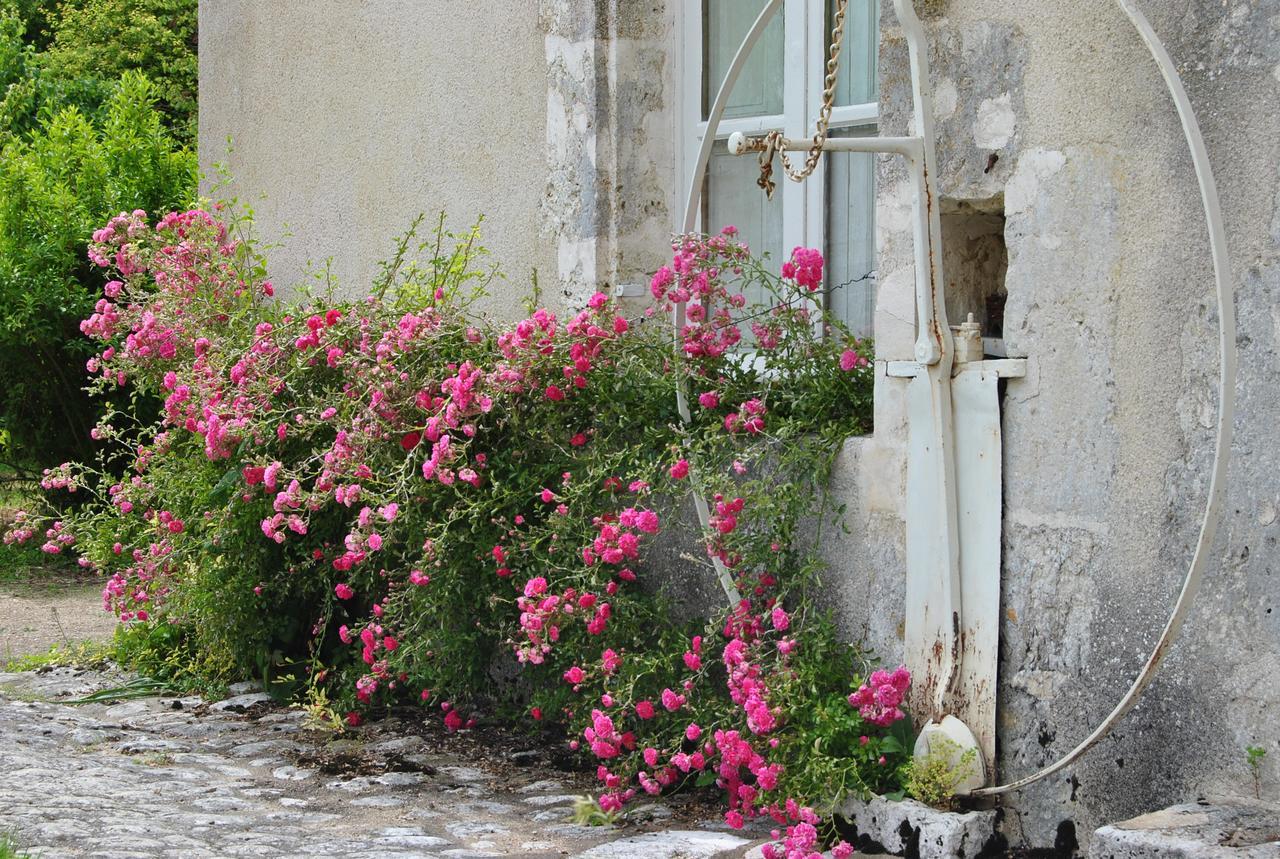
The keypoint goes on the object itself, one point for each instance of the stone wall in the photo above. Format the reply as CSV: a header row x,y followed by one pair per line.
x,y
610,138
1108,440
348,119
1071,217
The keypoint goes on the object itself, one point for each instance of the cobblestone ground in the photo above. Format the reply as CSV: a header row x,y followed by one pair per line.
x,y
159,777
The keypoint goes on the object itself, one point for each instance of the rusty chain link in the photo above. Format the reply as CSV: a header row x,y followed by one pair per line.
x,y
773,141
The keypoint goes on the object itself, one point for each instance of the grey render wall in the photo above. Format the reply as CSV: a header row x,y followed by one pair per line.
x,y
349,118
1107,441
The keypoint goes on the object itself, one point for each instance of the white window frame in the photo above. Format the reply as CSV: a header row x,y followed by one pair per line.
x,y
804,205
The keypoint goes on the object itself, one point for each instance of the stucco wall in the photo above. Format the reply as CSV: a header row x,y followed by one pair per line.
x,y
1108,439
551,118
349,118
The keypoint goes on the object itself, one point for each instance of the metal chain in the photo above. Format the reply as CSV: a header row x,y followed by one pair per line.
x,y
773,141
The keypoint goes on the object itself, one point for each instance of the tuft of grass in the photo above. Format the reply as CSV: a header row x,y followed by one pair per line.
x,y
932,779
1255,756
84,654
154,759
9,848
142,687
587,812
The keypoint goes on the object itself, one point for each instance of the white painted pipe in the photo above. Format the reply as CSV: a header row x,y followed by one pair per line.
x,y
1226,403
933,638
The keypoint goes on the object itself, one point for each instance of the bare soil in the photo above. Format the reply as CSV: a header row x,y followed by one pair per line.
x,y
35,616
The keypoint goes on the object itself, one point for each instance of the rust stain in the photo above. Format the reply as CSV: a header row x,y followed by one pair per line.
x,y
935,327
1012,614
955,651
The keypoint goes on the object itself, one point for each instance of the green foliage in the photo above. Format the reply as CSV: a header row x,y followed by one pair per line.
x,y
1255,755
85,654
56,187
828,750
169,654
36,16
9,848
73,54
587,812
29,92
932,779
104,39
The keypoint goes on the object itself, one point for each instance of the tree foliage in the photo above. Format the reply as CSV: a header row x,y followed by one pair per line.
x,y
104,39
57,184
73,53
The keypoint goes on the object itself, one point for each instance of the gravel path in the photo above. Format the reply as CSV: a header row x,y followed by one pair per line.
x,y
33,618
159,777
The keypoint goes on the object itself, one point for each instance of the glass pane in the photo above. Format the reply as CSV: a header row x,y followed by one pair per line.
x,y
856,80
759,88
733,197
851,282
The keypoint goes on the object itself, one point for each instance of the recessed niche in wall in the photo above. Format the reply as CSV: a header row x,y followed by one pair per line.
x,y
974,262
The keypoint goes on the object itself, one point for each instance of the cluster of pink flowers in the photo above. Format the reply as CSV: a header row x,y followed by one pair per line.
x,y
749,418
618,540
805,268
879,700
538,620
57,538
59,478
21,529
134,590
850,360
693,280
801,839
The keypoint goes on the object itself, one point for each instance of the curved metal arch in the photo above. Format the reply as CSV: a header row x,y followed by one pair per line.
x,y
1226,403
690,222
1226,355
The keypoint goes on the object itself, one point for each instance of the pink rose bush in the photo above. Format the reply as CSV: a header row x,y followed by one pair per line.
x,y
396,499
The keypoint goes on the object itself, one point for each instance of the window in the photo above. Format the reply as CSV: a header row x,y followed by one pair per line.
x,y
781,88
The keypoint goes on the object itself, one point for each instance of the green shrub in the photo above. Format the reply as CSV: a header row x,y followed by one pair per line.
x,y
395,499
104,39
932,779
29,91
56,187
35,17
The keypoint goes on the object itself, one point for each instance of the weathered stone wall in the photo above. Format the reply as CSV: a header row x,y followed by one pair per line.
x,y
1107,441
352,117
610,138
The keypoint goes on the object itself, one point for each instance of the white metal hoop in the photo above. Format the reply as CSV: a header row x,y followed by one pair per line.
x,y
1226,344
1226,402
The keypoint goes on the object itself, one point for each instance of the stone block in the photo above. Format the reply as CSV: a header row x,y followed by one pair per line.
x,y
240,703
937,834
1219,829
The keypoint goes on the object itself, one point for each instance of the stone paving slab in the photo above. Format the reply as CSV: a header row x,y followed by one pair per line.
x,y
159,777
